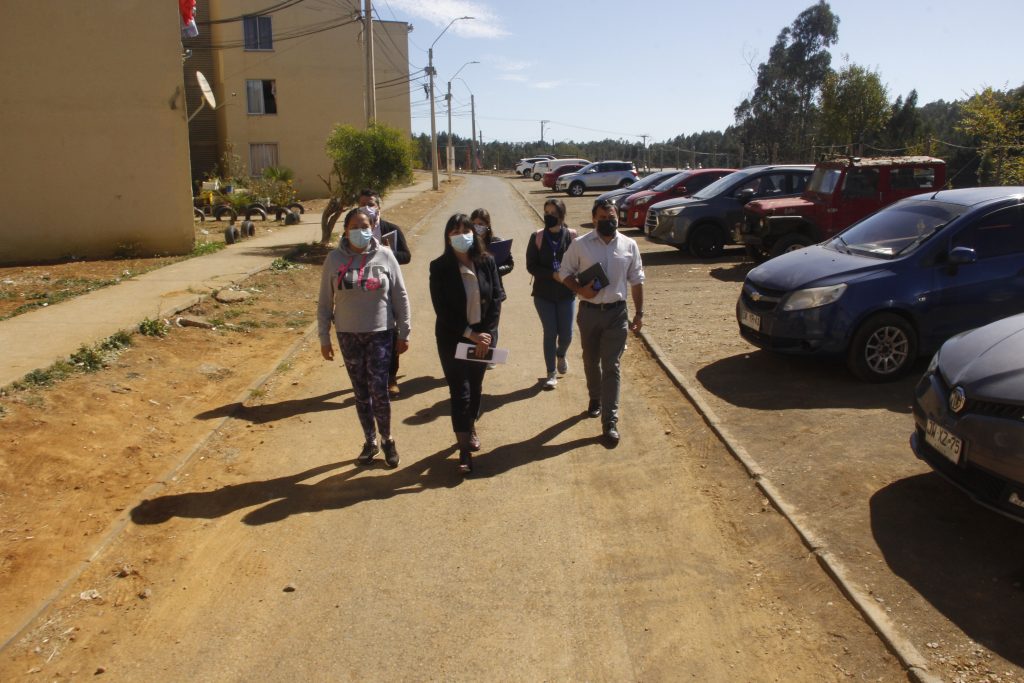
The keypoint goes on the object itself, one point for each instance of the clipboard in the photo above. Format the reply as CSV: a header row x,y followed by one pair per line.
x,y
464,351
500,250
390,240
594,273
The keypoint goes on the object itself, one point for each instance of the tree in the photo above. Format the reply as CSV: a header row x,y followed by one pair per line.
x,y
782,109
379,157
854,107
996,119
905,127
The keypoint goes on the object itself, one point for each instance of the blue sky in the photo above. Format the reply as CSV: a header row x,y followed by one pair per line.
x,y
609,68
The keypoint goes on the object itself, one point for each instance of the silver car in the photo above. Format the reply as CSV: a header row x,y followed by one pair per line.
x,y
600,175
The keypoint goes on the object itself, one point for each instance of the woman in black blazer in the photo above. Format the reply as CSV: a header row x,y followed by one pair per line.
x,y
466,292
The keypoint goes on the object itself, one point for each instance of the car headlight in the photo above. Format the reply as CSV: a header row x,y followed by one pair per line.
x,y
674,211
813,298
643,200
933,365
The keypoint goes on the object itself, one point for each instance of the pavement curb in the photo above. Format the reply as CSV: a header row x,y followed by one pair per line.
x,y
121,521
909,656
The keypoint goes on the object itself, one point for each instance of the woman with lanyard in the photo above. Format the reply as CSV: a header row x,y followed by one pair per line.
x,y
362,293
466,291
555,303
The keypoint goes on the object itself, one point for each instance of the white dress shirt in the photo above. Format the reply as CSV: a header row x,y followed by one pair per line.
x,y
620,259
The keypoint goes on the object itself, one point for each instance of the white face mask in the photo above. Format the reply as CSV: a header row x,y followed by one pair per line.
x,y
360,238
462,242
480,229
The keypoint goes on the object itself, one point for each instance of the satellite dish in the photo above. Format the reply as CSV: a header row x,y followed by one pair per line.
x,y
204,85
208,98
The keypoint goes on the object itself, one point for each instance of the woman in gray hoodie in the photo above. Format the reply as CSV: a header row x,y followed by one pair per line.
x,y
362,292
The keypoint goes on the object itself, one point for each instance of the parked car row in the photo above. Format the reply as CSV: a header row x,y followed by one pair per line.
x,y
576,176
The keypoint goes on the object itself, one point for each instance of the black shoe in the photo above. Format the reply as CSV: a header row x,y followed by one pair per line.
x,y
465,462
369,450
611,432
474,441
390,452
594,408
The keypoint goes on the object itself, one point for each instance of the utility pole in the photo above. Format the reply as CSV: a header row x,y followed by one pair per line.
x,y
472,143
450,156
644,149
542,130
371,80
433,122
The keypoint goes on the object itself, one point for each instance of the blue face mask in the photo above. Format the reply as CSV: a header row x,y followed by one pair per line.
x,y
360,238
462,242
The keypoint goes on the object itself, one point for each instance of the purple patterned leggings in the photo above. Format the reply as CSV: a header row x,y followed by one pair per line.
x,y
367,358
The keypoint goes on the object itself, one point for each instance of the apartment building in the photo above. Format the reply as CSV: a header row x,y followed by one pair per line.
x,y
95,141
285,78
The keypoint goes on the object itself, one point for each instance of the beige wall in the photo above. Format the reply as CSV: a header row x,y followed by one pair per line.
x,y
94,142
319,81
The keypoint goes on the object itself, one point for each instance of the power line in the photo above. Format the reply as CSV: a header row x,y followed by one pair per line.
x,y
260,13
310,30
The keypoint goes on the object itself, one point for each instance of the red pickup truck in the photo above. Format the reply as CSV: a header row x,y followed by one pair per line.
x,y
839,193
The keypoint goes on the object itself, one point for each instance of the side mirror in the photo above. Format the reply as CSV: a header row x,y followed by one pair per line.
x,y
745,195
959,256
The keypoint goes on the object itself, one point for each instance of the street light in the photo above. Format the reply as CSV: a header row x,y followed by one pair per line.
x,y
472,141
433,120
448,98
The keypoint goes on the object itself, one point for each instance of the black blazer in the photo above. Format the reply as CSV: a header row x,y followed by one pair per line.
x,y
449,298
402,253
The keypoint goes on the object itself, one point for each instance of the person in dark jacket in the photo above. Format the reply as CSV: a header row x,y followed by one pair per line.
x,y
466,291
555,303
482,226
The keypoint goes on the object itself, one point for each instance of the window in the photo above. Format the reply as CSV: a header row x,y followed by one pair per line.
x,y
798,181
861,183
258,34
262,155
261,97
997,234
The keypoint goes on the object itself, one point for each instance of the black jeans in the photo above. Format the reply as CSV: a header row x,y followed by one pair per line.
x,y
465,380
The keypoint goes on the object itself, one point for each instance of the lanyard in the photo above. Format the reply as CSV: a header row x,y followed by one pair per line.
x,y
347,267
555,243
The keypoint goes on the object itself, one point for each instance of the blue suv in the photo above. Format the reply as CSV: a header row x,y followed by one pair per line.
x,y
896,284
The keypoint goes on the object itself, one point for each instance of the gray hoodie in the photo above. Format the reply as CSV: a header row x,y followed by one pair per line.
x,y
362,292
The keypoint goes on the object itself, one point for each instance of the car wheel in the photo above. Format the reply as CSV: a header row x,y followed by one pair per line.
x,y
706,241
536,176
756,254
577,189
789,243
626,182
883,349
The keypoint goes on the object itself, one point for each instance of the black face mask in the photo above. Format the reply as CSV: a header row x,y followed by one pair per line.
x,y
550,221
606,228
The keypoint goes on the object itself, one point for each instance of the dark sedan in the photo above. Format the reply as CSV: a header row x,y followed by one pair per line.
x,y
645,183
969,414
894,285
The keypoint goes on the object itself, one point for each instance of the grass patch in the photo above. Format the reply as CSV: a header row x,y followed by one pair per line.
x,y
64,288
153,328
45,377
281,264
117,341
85,359
285,366
257,393
204,248
88,358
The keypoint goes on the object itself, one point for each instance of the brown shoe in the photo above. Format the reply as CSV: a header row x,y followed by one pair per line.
x,y
393,391
474,441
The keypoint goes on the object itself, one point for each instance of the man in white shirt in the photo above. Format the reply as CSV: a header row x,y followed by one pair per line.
x,y
602,317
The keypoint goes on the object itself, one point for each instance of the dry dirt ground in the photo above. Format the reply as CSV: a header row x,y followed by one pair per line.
x,y
949,573
75,455
656,561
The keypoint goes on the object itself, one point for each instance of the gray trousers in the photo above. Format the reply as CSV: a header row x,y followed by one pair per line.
x,y
603,338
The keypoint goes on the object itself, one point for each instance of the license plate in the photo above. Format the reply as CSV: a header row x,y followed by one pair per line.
x,y
751,320
945,443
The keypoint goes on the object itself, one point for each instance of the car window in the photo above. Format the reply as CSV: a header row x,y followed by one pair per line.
x,y
700,181
670,182
997,234
861,183
798,182
721,185
823,180
897,230
765,185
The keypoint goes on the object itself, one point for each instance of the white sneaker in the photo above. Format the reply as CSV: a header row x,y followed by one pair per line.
x,y
551,382
563,365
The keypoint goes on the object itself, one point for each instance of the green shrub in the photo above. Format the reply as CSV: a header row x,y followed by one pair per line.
x,y
88,358
153,328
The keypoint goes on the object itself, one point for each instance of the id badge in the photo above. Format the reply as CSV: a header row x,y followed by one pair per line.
x,y
556,264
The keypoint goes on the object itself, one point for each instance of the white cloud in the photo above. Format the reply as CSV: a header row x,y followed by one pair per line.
x,y
519,78
439,12
546,85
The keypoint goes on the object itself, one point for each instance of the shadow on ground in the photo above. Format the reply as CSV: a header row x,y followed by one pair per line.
x,y
285,496
966,561
770,381
488,403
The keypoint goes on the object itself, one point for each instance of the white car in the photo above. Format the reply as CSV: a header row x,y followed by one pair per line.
x,y
525,166
542,167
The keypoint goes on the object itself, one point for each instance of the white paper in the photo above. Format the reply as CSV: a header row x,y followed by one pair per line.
x,y
466,352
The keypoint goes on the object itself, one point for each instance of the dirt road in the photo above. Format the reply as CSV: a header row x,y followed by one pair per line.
x,y
273,557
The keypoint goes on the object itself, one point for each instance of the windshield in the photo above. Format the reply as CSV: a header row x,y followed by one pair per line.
x,y
719,186
648,182
586,168
823,180
670,182
897,230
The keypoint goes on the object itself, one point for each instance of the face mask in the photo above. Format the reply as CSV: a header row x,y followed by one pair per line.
x,y
550,221
461,242
480,229
360,238
606,228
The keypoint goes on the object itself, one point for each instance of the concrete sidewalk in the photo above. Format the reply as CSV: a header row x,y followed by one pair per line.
x,y
37,339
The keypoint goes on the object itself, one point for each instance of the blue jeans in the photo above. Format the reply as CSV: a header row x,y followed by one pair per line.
x,y
556,318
